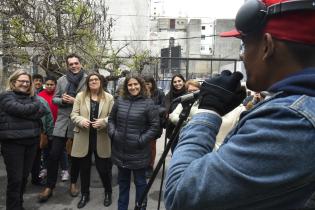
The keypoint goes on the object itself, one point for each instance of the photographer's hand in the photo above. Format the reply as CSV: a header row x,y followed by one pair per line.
x,y
222,93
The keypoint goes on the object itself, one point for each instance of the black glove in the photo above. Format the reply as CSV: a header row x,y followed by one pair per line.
x,y
222,93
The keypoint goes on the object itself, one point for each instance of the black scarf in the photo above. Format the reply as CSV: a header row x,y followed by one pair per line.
x,y
73,82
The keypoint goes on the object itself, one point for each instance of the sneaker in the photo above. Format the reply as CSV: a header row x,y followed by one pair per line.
x,y
65,175
42,174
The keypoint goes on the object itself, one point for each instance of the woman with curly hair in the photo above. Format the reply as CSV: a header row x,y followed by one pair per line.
x,y
133,123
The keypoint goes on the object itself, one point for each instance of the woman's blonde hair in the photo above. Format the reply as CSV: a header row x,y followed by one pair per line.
x,y
192,82
14,76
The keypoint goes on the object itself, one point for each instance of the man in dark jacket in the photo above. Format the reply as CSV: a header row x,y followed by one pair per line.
x,y
267,160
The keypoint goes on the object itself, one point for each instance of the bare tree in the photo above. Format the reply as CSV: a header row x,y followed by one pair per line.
x,y
50,29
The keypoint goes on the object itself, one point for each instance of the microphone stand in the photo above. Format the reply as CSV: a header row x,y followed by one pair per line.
x,y
182,117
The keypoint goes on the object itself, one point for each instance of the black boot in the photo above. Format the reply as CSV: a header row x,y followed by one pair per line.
x,y
83,201
108,199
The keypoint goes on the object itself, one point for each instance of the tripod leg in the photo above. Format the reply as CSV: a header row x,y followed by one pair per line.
x,y
162,178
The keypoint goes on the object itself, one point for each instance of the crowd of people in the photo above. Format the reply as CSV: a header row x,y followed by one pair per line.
x,y
77,109
234,151
40,116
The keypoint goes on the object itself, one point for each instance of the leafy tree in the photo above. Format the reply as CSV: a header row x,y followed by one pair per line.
x,y
140,59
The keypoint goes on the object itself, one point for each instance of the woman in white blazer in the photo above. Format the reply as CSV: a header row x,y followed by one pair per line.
x,y
90,116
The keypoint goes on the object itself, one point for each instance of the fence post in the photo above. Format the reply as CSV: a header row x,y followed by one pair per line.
x,y
187,67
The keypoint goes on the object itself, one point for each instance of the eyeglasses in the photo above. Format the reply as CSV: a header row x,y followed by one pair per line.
x,y
24,81
96,80
75,63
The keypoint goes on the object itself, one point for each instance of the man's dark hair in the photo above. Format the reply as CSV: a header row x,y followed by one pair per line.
x,y
124,73
152,81
304,53
52,78
73,55
38,76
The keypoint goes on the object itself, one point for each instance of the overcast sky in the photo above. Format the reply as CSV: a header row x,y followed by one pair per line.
x,y
203,8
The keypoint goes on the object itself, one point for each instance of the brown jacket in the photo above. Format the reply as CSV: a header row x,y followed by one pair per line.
x,y
81,110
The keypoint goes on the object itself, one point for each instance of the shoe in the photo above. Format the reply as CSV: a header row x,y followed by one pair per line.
x,y
65,175
83,201
45,195
74,191
149,172
108,199
42,174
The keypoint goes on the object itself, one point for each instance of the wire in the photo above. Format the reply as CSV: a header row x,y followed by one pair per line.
x,y
159,16
153,40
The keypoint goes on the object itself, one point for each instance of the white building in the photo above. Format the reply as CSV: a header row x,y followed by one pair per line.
x,y
207,37
131,22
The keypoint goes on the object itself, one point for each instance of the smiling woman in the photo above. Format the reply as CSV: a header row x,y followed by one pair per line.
x,y
20,127
133,124
90,116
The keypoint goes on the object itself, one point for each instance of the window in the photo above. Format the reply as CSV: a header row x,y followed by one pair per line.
x,y
203,37
172,23
202,48
203,27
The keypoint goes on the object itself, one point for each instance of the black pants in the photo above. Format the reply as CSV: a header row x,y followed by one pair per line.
x,y
75,169
36,165
18,159
104,169
57,148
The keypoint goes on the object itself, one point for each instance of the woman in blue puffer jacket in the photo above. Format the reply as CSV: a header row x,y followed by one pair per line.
x,y
20,127
133,123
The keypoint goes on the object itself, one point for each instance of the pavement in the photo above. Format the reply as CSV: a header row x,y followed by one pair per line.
x,y
61,199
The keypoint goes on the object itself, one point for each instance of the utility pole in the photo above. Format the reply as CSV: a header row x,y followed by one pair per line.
x,y
170,45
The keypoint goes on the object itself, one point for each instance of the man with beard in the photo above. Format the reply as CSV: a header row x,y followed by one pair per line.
x,y
267,160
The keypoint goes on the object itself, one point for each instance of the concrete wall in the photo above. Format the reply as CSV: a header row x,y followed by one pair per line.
x,y
131,22
225,47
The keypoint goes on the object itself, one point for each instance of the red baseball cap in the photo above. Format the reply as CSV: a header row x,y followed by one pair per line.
x,y
296,26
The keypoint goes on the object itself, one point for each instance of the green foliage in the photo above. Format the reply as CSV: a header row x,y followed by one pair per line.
x,y
140,59
55,28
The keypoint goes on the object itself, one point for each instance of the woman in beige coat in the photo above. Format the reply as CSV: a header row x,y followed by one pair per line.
x,y
90,114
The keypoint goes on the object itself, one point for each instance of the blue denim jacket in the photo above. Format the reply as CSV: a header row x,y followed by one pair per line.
x,y
266,162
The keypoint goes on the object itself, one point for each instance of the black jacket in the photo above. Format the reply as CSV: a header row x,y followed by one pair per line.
x,y
20,116
132,124
158,98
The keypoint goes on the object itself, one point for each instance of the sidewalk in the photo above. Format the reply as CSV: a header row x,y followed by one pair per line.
x,y
61,200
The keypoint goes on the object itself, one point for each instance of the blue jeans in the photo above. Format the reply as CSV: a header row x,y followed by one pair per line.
x,y
124,178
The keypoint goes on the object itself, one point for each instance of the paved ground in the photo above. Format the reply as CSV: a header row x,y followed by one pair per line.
x,y
61,199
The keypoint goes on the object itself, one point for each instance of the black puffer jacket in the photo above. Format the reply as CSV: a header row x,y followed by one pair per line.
x,y
20,116
132,124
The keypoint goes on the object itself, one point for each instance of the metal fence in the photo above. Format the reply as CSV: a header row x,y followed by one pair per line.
x,y
163,68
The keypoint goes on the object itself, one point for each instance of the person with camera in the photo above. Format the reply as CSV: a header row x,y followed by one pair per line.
x,y
267,160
